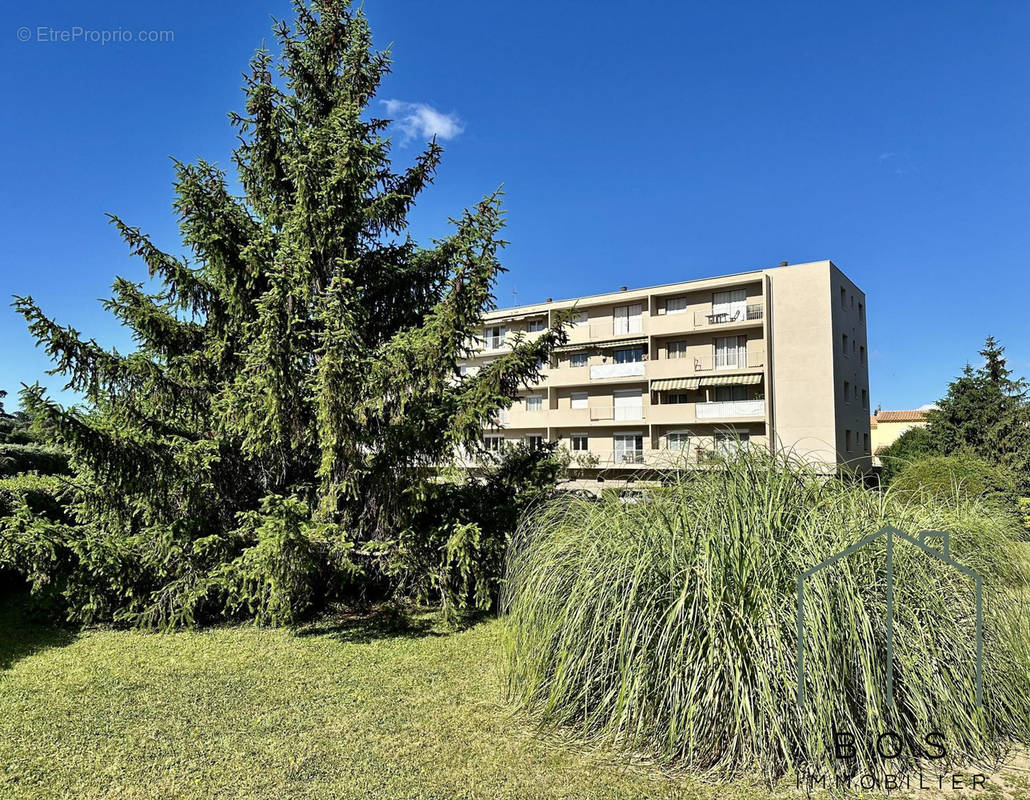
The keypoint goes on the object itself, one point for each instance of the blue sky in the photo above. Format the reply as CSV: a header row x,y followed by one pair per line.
x,y
637,143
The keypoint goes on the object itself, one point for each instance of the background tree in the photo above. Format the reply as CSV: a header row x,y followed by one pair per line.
x,y
985,412
294,385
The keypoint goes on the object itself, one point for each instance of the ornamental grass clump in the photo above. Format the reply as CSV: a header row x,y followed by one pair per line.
x,y
670,626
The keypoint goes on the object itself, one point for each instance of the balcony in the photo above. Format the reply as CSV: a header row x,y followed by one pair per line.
x,y
751,314
729,409
719,363
616,413
631,369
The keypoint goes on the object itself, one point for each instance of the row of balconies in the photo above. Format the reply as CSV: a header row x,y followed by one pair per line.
x,y
645,325
691,366
518,416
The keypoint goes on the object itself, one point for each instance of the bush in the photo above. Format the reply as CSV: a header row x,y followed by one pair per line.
x,y
944,478
912,445
670,626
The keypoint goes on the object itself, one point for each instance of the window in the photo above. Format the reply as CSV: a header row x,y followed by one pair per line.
x,y
865,442
628,404
629,448
852,302
494,337
727,443
579,400
732,304
730,352
535,402
463,370
865,399
629,355
676,397
861,354
861,312
675,305
535,441
581,318
493,444
536,325
847,440
626,319
847,392
676,350
677,440
578,360
579,442
854,390
844,343
842,298
726,394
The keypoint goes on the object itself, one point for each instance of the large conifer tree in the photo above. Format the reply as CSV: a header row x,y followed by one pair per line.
x,y
295,381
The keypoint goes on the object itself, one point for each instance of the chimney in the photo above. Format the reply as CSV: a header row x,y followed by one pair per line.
x,y
548,300
622,288
784,264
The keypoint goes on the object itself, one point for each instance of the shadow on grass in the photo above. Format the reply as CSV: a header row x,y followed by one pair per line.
x,y
22,636
389,622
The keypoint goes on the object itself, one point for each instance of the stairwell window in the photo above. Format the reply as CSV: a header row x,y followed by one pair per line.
x,y
865,399
865,442
844,344
847,440
847,392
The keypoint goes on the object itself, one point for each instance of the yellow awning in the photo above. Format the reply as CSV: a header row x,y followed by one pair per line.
x,y
606,344
667,384
731,380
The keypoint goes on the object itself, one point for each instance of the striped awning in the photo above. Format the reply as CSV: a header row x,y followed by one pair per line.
x,y
731,380
606,344
667,384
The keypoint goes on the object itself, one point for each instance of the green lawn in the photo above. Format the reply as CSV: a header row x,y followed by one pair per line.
x,y
345,710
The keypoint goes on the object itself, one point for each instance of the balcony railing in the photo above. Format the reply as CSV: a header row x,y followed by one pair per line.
x,y
710,363
615,413
628,370
723,409
620,458
750,313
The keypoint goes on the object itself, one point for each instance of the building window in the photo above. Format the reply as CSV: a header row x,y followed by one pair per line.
x,y
730,306
844,343
843,298
676,350
579,442
865,442
847,440
730,352
629,448
852,302
535,402
629,355
578,359
493,444
579,400
675,305
861,354
865,399
727,444
536,325
463,370
626,319
677,440
580,318
676,397
861,312
847,392
535,441
728,394
494,337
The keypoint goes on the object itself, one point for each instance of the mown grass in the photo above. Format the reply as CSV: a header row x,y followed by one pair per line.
x,y
344,709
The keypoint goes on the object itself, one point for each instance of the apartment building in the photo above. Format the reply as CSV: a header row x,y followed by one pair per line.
x,y
668,376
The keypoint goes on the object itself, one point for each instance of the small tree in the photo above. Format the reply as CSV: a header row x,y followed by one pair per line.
x,y
296,385
985,412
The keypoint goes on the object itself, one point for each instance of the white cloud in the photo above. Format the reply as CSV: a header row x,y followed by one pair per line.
x,y
926,406
423,121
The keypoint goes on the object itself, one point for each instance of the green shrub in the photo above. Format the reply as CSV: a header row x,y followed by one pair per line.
x,y
670,626
912,445
943,478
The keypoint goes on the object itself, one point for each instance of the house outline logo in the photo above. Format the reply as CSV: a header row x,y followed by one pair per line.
x,y
919,540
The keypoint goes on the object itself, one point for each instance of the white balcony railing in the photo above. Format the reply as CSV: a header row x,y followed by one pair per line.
x,y
616,413
730,408
627,370
727,361
751,313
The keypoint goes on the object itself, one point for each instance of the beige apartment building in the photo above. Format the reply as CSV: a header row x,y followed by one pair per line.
x,y
668,376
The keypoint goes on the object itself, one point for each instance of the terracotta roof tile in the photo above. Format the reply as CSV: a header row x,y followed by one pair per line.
x,y
899,416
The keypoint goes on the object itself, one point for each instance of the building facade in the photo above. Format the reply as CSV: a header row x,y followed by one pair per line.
x,y
670,375
886,426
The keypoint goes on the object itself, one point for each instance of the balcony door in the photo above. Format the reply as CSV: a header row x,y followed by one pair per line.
x,y
732,303
626,319
628,404
629,448
731,352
